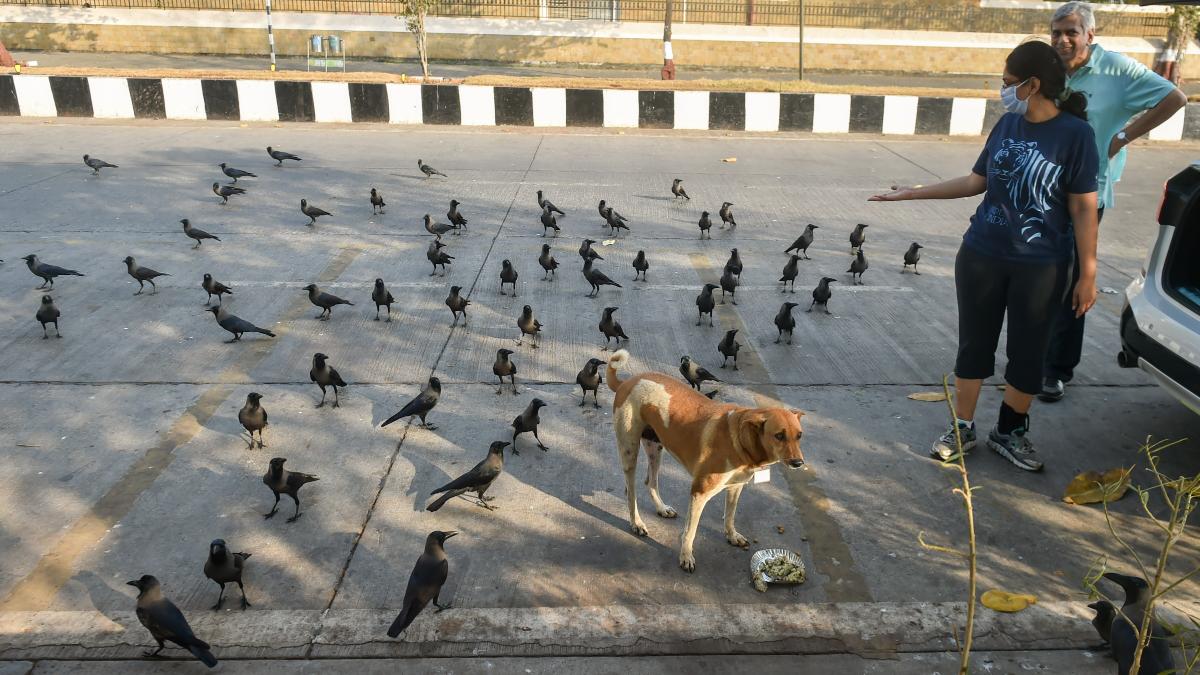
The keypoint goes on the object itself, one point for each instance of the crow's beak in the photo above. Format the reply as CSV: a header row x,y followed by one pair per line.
x,y
451,533
135,584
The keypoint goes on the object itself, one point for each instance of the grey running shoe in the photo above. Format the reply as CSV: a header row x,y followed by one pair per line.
x,y
1015,447
1052,390
946,447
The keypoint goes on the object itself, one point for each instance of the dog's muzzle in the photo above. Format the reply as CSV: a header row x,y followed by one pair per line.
x,y
795,463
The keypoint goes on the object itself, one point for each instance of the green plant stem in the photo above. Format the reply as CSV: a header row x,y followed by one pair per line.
x,y
971,555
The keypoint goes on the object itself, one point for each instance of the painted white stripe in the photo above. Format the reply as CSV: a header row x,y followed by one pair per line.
x,y
549,107
34,96
1171,130
620,108
404,104
331,102
762,111
691,110
966,116
110,97
256,100
831,113
478,105
900,115
183,99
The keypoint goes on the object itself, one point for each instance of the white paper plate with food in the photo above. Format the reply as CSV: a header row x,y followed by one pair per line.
x,y
776,566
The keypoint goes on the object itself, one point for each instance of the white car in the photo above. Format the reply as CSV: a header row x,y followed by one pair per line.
x,y
1160,325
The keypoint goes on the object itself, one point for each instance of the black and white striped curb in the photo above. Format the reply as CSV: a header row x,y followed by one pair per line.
x,y
473,105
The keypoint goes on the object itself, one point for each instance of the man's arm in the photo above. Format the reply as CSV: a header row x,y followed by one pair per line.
x,y
1166,108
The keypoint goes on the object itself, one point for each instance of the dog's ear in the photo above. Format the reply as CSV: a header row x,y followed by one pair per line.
x,y
750,431
798,413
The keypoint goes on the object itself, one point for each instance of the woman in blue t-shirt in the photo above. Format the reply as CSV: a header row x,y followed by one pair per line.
x,y
1037,175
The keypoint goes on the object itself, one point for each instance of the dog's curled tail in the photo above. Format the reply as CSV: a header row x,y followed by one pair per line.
x,y
615,363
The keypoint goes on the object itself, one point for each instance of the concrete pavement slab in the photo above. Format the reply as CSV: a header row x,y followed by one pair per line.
x,y
162,469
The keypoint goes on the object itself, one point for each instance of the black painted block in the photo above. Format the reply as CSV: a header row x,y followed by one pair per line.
x,y
866,114
656,109
795,112
992,112
1191,119
514,106
72,96
440,104
369,102
221,99
146,93
295,101
727,110
933,115
585,108
8,96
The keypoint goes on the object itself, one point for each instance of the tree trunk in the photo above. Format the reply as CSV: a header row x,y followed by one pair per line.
x,y
423,47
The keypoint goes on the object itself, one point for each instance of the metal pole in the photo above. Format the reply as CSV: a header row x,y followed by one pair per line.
x,y
270,36
800,61
668,69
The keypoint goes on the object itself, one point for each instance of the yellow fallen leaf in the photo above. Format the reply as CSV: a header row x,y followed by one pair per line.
x,y
1003,601
729,159
1093,487
928,396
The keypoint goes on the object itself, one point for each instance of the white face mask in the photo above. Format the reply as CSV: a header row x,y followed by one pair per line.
x,y
1008,96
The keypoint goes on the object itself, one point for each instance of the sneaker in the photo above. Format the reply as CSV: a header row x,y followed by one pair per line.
x,y
947,446
1015,447
1052,390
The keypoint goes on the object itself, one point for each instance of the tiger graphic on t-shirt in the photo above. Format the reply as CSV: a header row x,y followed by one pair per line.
x,y
1030,179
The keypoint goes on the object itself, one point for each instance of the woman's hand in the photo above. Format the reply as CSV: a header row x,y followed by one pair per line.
x,y
1084,296
898,194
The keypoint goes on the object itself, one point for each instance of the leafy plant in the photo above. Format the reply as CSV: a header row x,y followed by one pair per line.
x,y
1180,497
1182,26
414,13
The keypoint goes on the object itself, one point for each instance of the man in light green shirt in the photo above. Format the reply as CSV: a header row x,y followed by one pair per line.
x,y
1118,88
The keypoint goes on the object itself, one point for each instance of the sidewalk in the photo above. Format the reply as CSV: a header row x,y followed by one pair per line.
x,y
845,664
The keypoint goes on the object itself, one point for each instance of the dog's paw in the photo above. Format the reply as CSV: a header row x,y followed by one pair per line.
x,y
667,512
736,539
639,529
687,562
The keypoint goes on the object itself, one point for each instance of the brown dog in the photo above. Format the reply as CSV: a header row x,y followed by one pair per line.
x,y
720,444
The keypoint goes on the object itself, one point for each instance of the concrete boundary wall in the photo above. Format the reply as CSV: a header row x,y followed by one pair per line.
x,y
156,31
291,101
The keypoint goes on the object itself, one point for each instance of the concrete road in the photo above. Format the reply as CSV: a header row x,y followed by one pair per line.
x,y
123,449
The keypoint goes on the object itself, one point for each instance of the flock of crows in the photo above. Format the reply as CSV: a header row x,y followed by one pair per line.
x,y
163,618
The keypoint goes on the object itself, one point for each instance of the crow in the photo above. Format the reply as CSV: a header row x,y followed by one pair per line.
x,y
911,257
48,272
284,482
425,582
279,156
235,174
95,164
165,622
226,191
377,202
803,241
422,405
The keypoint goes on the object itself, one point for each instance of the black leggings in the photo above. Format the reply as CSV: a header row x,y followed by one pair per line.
x,y
1030,292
